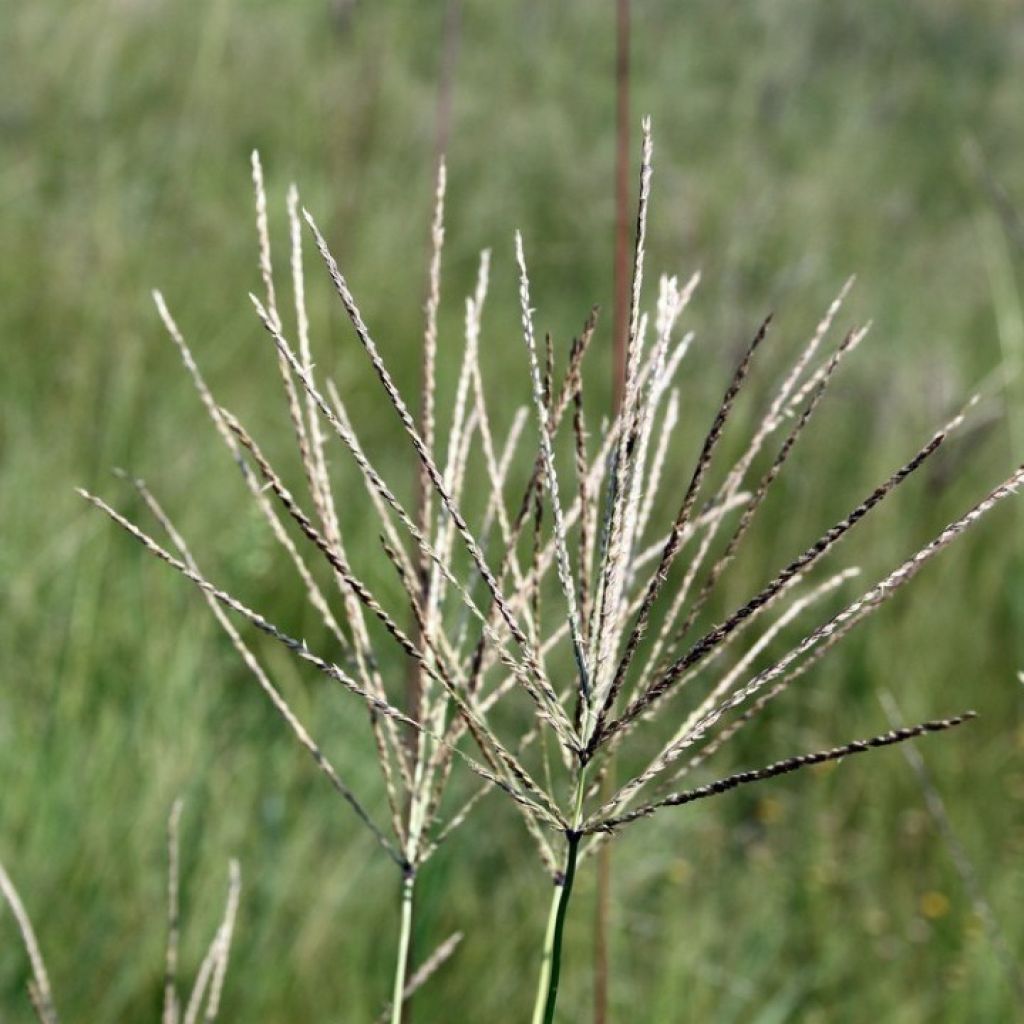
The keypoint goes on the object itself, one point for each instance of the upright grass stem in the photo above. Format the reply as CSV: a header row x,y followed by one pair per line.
x,y
404,941
544,983
551,964
551,960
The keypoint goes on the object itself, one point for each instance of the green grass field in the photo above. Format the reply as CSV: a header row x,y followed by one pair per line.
x,y
795,144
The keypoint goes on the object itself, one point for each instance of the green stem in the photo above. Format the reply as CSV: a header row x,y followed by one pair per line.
x,y
551,965
545,964
404,938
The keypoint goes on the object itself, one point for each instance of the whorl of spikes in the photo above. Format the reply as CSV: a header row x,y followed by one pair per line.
x,y
499,597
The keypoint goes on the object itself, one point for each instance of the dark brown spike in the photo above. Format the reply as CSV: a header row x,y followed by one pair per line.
x,y
790,764
759,495
711,640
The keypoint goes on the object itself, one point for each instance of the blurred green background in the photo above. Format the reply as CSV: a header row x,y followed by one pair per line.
x,y
796,143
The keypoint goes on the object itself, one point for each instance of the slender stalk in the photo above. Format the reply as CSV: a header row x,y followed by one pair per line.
x,y
620,325
544,983
602,912
404,941
551,961
620,321
547,995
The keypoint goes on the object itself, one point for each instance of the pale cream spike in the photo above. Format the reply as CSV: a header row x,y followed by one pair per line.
x,y
551,475
668,311
195,1000
316,597
668,427
543,689
378,495
615,547
433,304
496,475
267,273
456,449
496,510
674,748
324,499
661,379
864,605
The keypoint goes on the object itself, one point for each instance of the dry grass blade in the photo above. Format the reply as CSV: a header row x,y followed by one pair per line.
x,y
790,764
225,935
214,966
171,1006
39,987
